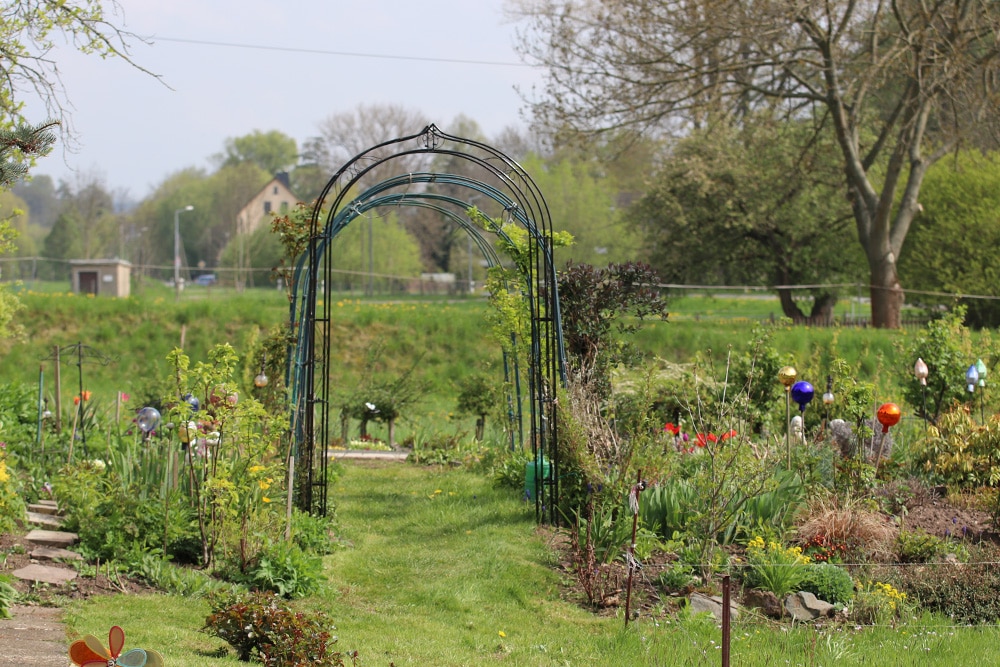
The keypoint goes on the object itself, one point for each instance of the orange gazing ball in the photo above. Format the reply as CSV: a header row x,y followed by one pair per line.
x,y
888,415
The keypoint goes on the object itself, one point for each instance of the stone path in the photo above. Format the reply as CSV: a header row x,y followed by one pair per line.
x,y
36,635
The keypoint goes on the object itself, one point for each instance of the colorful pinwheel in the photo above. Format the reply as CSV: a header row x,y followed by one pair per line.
x,y
90,652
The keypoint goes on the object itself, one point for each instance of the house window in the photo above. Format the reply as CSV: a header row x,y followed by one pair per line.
x,y
267,207
275,189
284,208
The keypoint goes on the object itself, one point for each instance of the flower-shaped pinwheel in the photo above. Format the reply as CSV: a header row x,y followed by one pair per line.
x,y
90,652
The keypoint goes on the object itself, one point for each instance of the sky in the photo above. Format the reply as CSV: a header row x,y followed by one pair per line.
x,y
133,131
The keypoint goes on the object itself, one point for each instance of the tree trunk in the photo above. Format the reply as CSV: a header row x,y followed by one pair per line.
x,y
822,310
788,306
480,427
886,293
392,433
820,313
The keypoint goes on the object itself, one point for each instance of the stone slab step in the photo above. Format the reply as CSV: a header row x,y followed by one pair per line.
x,y
52,538
45,574
47,520
44,508
51,553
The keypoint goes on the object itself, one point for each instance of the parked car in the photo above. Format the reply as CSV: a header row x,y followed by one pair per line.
x,y
205,279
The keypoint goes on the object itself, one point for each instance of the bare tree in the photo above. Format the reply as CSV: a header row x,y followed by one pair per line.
x,y
344,135
28,35
901,82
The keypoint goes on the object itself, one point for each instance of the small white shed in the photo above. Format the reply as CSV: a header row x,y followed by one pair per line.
x,y
101,277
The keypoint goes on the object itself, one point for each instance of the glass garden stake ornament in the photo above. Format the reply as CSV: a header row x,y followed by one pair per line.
x,y
920,372
787,377
971,380
147,420
827,399
888,414
192,401
982,370
261,380
802,393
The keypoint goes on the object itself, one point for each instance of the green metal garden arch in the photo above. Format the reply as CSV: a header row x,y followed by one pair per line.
x,y
498,179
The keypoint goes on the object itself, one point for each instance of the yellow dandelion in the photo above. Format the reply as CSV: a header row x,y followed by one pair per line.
x,y
502,634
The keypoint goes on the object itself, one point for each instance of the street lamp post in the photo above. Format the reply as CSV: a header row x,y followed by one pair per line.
x,y
177,250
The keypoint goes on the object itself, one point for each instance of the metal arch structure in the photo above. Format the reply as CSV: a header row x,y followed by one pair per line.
x,y
500,180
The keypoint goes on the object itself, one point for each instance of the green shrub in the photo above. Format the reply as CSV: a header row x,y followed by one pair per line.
x,y
282,569
921,547
170,578
676,577
259,625
505,467
313,534
828,582
968,594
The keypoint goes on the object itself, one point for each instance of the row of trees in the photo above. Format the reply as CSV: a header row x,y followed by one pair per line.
x,y
778,143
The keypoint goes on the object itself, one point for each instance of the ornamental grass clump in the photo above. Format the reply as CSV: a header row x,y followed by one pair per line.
x,y
849,523
773,567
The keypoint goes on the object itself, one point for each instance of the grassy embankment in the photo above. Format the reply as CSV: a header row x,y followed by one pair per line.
x,y
445,339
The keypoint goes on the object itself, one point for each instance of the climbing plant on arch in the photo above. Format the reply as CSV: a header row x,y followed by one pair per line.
x,y
377,178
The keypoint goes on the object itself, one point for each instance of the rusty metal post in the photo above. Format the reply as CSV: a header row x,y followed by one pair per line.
x,y
725,620
631,563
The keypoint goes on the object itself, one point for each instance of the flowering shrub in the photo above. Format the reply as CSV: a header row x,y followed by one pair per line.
x,y
773,567
878,603
823,549
260,625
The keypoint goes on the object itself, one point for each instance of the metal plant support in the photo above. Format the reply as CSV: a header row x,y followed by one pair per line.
x,y
378,176
84,354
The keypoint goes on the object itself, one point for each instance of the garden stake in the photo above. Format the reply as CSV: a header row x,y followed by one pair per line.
x,y
631,562
725,620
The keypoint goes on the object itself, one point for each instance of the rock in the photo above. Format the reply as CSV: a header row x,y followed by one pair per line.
x,y
41,519
766,601
804,607
713,605
45,574
51,538
43,508
51,553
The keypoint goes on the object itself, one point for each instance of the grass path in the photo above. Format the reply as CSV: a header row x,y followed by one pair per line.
x,y
444,570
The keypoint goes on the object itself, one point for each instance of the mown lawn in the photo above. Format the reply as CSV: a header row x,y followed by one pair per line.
x,y
440,568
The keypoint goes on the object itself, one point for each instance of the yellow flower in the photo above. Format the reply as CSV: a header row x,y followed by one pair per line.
x,y
502,634
266,499
265,484
253,470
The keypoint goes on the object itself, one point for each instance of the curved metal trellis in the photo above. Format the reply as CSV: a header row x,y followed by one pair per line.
x,y
500,180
